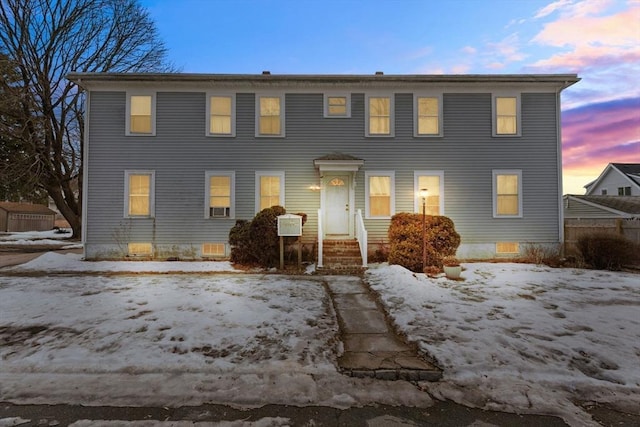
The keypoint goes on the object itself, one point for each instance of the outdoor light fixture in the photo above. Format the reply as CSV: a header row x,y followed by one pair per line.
x,y
314,187
424,193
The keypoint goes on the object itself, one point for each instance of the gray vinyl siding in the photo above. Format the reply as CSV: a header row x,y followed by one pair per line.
x,y
180,153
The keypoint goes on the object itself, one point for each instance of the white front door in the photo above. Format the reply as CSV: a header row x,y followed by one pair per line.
x,y
337,207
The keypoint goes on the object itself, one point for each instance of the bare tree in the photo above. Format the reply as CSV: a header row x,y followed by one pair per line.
x,y
41,41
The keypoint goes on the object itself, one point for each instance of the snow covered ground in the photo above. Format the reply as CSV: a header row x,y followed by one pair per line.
x,y
523,338
29,238
513,337
174,339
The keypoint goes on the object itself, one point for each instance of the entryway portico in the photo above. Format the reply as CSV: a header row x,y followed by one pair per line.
x,y
337,194
337,217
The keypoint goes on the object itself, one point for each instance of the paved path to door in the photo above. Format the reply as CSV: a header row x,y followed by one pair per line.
x,y
371,346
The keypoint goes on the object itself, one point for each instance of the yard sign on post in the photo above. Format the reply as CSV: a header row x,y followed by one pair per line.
x,y
289,225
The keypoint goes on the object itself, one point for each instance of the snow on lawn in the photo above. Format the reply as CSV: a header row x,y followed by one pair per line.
x,y
523,338
73,263
244,340
29,238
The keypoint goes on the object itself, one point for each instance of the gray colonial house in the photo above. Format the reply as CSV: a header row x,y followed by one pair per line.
x,y
173,160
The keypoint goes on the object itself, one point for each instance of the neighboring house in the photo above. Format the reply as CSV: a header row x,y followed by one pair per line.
x,y
612,214
15,217
617,179
173,160
593,207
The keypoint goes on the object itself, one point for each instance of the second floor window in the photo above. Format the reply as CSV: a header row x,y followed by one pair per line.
x,y
427,116
270,116
379,116
140,115
337,106
221,115
505,110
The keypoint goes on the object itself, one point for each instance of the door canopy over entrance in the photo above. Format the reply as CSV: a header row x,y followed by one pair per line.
x,y
338,162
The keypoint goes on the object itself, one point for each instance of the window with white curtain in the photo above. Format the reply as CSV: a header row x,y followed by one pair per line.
x,y
379,115
221,115
139,193
140,114
219,194
428,115
380,191
270,115
506,115
507,193
269,190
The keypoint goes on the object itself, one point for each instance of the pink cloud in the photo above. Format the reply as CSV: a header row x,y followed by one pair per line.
x,y
582,30
597,134
590,56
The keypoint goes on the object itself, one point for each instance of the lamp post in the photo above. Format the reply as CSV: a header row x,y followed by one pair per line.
x,y
424,193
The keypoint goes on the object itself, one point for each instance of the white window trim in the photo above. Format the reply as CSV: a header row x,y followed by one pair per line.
x,y
494,118
152,192
233,115
207,193
437,95
127,124
347,96
392,175
494,191
282,133
417,201
257,187
392,114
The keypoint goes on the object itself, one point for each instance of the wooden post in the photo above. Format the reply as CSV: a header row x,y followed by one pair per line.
x,y
281,253
299,252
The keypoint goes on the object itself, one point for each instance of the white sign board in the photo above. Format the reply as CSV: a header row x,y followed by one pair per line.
x,y
289,225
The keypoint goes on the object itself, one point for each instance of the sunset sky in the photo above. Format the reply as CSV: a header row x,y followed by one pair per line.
x,y
597,39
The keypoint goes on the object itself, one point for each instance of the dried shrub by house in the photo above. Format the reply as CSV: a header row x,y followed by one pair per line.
x,y
257,241
240,242
405,240
605,251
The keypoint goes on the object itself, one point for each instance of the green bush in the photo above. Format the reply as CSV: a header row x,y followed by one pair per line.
x,y
405,240
605,251
257,241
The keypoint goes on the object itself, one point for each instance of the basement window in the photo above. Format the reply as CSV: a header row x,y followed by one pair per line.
x,y
139,249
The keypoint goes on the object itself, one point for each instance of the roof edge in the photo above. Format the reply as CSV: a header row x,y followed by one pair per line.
x,y
565,80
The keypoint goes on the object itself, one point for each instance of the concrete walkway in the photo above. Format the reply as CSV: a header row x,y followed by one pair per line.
x,y
371,347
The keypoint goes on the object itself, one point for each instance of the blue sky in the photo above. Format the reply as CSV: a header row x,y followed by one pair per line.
x,y
597,39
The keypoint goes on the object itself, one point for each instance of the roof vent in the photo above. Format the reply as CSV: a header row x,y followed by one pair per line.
x,y
379,73
266,73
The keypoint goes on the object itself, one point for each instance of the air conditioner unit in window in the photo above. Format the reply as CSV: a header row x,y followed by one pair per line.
x,y
219,212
